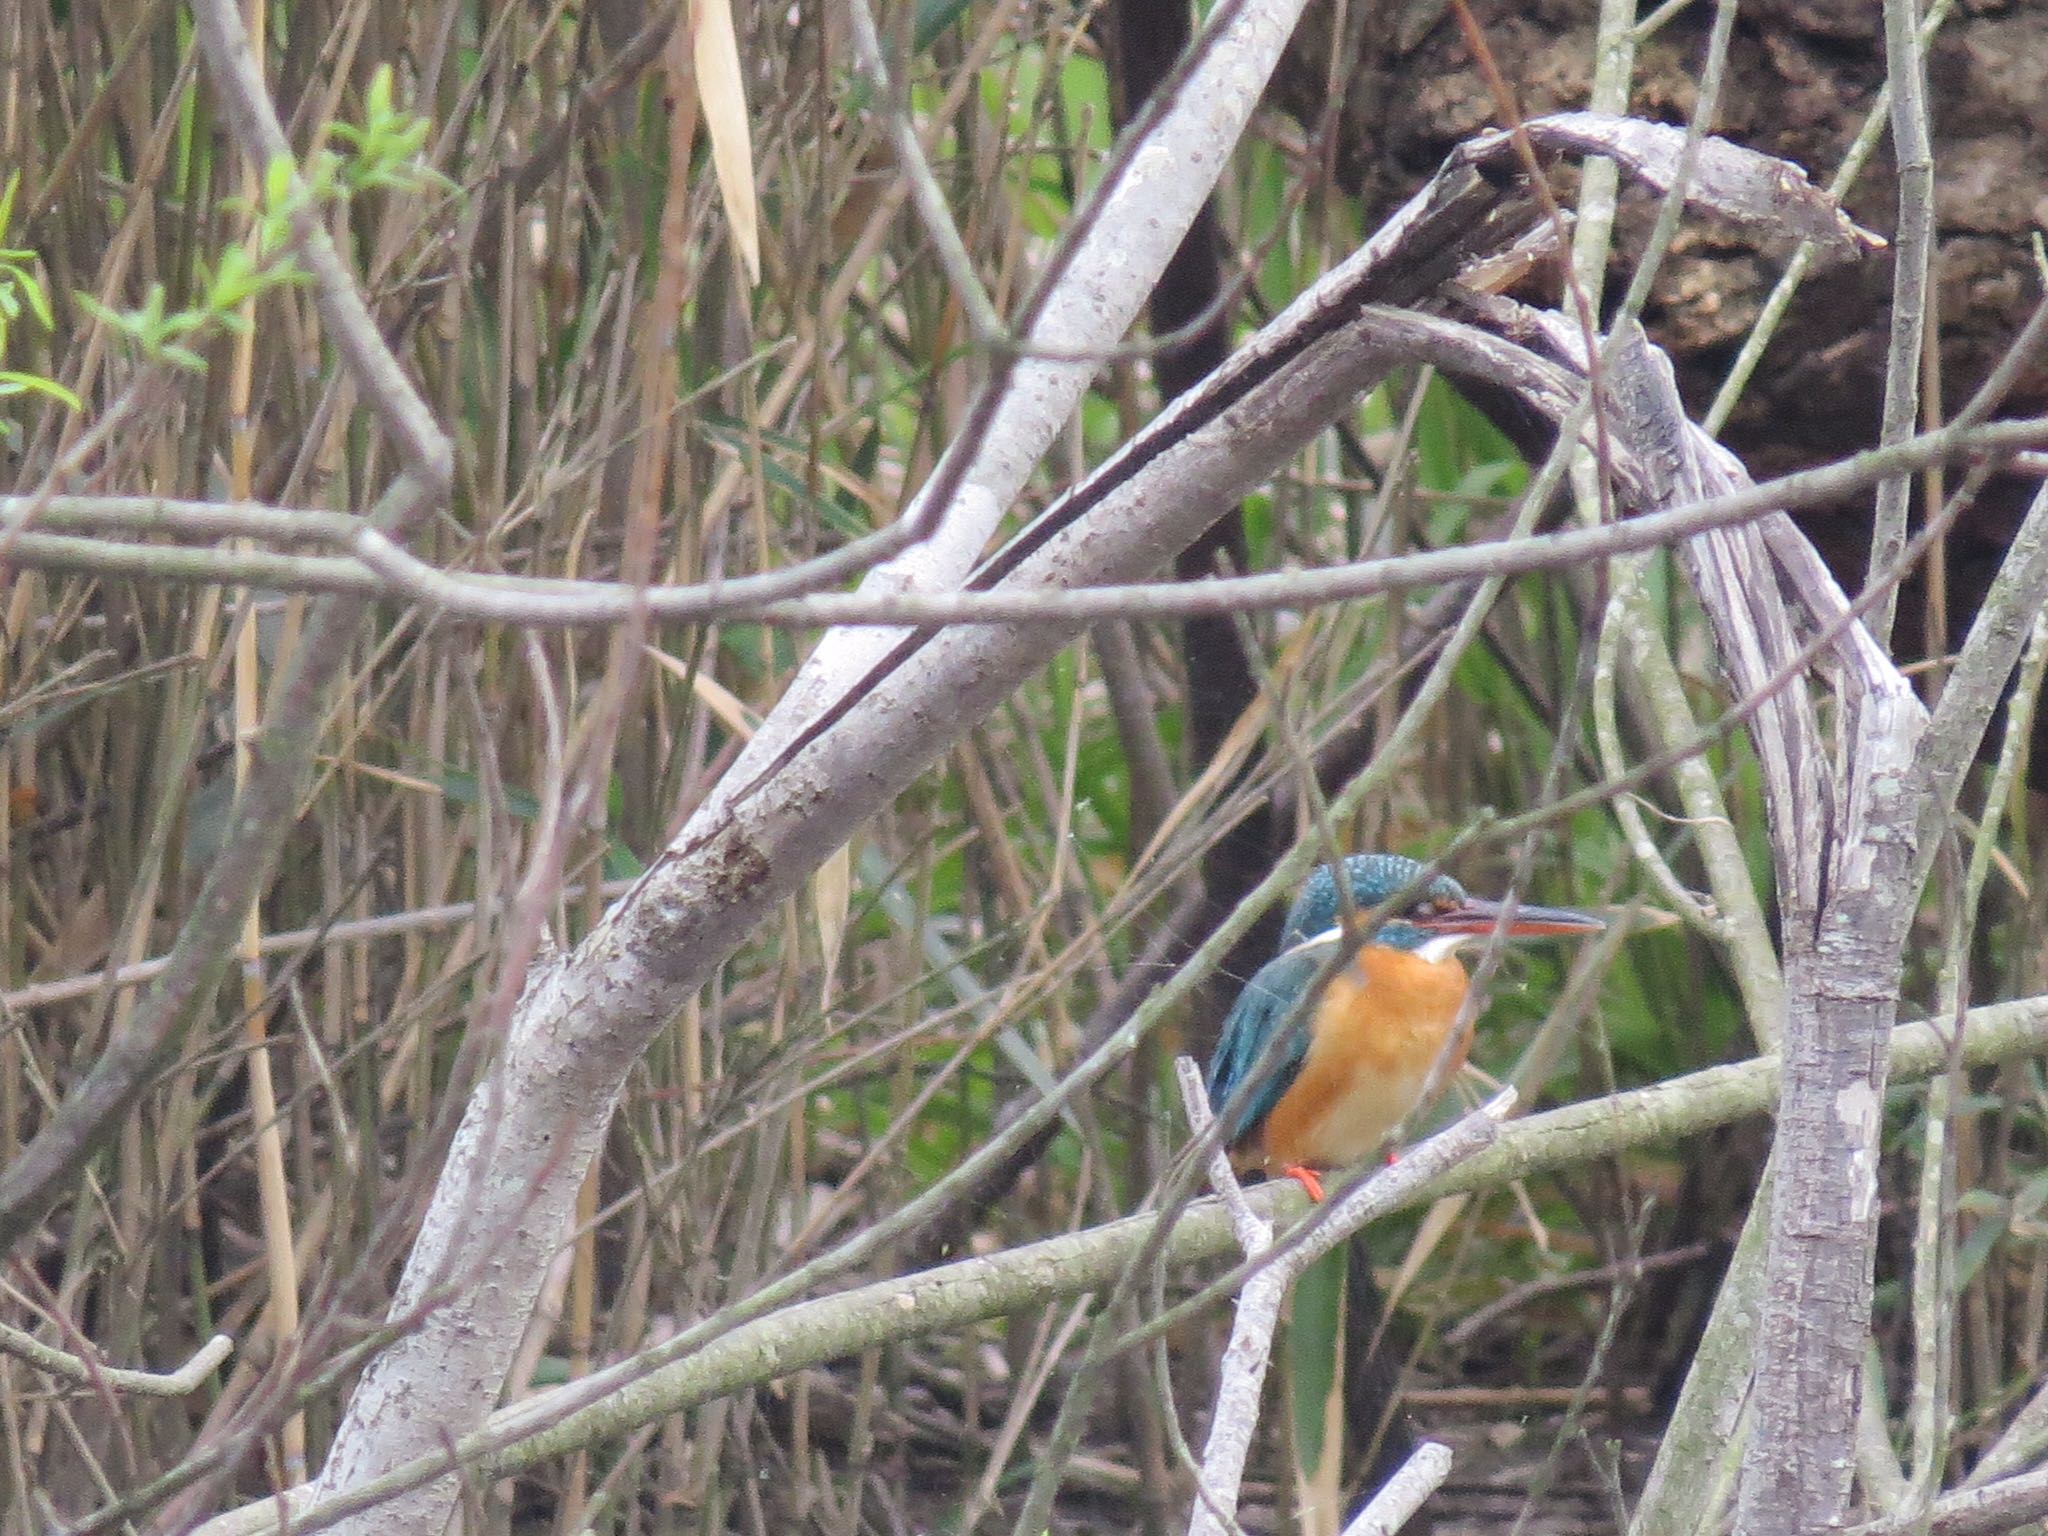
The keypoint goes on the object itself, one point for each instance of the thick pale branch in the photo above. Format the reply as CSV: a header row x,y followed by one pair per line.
x,y
631,1393
1404,1493
791,598
1088,296
616,1400
506,1193
91,1373
503,1200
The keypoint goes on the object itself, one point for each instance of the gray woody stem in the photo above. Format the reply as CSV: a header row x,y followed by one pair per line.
x,y
266,806
1854,825
659,1381
1403,1493
1250,1349
505,1197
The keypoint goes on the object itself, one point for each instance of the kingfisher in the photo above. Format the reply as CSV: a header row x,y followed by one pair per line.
x,y
1357,1057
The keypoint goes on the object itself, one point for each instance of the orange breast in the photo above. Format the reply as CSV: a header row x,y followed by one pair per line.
x,y
1378,1030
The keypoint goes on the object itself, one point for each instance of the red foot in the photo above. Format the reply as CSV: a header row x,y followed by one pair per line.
x,y
1308,1179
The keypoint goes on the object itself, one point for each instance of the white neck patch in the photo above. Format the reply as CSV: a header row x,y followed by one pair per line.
x,y
1323,940
1433,949
1443,945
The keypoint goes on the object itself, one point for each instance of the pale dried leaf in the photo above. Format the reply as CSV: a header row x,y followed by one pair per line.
x,y
715,51
1436,1225
831,896
711,693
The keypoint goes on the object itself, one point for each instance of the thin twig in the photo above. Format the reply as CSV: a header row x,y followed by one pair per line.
x,y
958,265
684,1371
238,78
1913,258
186,1379
67,989
1628,1269
383,570
1250,1350
1401,1495
1254,1232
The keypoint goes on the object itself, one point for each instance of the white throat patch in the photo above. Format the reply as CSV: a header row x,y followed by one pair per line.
x,y
1444,945
1327,939
1437,947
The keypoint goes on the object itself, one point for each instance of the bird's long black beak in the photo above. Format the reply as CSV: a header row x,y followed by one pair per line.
x,y
1477,915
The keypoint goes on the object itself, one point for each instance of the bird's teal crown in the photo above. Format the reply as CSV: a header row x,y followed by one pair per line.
x,y
1374,878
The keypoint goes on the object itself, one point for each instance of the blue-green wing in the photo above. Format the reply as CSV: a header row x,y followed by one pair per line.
x,y
1241,1094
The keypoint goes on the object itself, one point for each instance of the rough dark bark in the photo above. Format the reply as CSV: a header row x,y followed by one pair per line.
x,y
1802,76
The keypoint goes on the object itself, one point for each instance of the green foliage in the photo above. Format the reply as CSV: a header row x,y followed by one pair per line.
x,y
380,155
1314,1345
21,290
986,933
932,20
156,333
384,153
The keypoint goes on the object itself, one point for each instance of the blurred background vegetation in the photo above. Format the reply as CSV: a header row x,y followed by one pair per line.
x,y
1002,914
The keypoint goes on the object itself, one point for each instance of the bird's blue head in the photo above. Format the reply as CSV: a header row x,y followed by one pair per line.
x,y
1433,912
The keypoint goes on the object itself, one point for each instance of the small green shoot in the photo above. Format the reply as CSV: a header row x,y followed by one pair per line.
x,y
382,154
21,289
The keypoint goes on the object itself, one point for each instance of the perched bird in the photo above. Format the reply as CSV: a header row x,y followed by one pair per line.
x,y
1355,1058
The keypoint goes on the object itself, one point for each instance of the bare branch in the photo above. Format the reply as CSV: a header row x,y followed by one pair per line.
x,y
187,1378
2006,1505
519,1158
1982,669
1913,257
1254,1232
1404,1493
294,942
238,76
681,1373
382,569
263,813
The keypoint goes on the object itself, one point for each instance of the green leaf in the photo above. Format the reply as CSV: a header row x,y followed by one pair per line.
x,y
277,182
34,383
95,308
378,98
1975,1249
1315,1368
39,301
933,18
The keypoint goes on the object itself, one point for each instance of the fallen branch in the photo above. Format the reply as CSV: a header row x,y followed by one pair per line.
x,y
619,1399
1250,1351
90,1373
1401,1495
